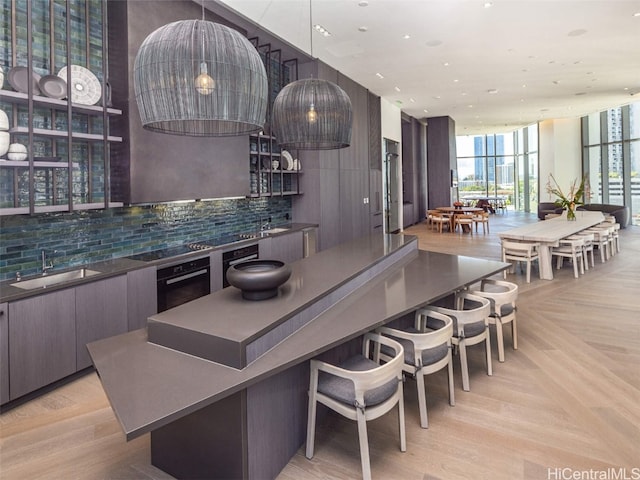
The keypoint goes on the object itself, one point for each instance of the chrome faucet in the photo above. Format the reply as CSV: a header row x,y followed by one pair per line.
x,y
46,266
265,225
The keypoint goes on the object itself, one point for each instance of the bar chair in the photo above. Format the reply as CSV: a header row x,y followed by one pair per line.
x,y
427,349
470,327
503,296
359,389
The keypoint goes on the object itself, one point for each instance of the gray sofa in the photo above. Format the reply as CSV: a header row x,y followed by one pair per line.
x,y
620,212
545,208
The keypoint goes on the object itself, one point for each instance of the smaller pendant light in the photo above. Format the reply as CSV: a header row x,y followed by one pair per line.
x,y
199,78
312,114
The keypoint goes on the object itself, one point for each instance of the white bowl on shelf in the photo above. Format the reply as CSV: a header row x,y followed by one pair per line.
x,y
4,121
17,151
5,139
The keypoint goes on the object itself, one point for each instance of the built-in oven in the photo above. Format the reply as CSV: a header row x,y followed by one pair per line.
x,y
235,256
183,282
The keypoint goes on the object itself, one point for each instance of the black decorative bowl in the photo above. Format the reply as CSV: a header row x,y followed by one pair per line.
x,y
258,279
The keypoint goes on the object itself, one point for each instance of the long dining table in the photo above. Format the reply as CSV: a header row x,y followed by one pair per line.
x,y
548,233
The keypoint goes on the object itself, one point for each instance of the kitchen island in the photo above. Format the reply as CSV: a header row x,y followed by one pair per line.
x,y
242,414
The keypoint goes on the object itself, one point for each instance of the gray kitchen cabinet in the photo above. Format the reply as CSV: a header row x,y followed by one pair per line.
x,y
4,353
265,250
101,312
142,297
216,270
287,248
42,339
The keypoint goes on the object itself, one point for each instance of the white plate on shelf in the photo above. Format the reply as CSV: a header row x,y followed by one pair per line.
x,y
53,86
19,80
85,86
287,160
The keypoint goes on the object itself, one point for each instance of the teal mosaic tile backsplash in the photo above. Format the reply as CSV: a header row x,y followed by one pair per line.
x,y
85,237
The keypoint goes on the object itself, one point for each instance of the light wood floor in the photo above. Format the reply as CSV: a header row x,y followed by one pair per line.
x,y
569,397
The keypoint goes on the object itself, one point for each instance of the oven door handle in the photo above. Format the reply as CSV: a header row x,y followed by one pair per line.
x,y
243,259
186,276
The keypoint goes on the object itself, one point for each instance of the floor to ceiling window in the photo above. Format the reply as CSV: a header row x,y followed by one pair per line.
x,y
611,156
488,166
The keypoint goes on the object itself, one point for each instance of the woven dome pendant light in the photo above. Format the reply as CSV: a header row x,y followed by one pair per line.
x,y
201,79
312,114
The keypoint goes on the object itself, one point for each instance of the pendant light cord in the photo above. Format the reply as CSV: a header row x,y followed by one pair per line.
x,y
310,29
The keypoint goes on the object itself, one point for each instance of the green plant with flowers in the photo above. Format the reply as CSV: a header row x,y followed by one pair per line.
x,y
573,198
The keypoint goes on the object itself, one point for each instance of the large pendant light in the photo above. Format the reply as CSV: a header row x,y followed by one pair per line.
x,y
200,78
312,114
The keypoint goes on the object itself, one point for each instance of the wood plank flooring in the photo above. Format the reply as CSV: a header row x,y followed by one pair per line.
x,y
569,397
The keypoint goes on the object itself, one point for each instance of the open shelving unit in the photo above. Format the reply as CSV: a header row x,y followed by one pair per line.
x,y
68,144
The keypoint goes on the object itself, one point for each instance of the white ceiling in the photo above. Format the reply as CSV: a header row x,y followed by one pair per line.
x,y
545,59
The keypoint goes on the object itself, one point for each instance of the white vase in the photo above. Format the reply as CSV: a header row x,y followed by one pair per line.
x,y
4,143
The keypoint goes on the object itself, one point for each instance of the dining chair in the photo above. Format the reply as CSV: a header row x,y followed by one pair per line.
x,y
427,349
440,219
587,247
601,241
430,215
470,327
360,389
502,296
461,220
481,218
519,252
570,248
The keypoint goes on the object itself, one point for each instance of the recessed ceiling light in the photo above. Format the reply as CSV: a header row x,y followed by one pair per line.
x,y
437,97
406,36
464,94
488,4
556,82
397,89
446,64
379,75
637,14
492,90
425,110
455,80
470,106
363,3
323,31
577,32
362,29
412,100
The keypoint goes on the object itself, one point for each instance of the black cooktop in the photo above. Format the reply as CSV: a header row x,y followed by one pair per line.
x,y
189,247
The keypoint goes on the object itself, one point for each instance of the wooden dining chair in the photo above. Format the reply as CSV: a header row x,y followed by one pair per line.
x,y
482,218
440,219
460,220
515,252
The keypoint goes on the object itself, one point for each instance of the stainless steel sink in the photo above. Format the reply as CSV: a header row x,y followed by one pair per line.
x,y
54,279
271,231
